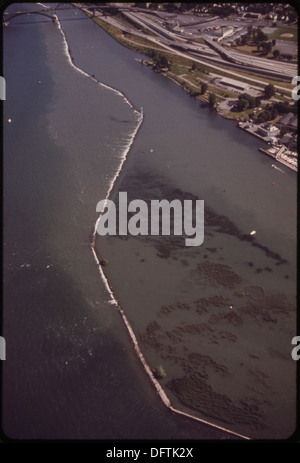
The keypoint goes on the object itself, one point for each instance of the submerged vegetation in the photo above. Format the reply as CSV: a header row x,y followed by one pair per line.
x,y
195,393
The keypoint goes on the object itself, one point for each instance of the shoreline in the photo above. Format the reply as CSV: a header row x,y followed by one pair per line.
x,y
198,96
202,99
239,120
114,300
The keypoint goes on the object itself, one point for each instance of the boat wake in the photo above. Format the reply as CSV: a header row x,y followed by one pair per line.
x,y
278,168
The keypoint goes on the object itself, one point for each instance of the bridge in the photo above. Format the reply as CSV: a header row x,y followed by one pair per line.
x,y
46,12
113,7
50,12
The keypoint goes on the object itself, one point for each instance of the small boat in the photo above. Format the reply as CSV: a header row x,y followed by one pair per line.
x,y
278,168
253,232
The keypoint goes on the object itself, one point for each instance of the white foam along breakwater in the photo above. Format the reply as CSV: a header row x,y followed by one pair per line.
x,y
67,53
113,300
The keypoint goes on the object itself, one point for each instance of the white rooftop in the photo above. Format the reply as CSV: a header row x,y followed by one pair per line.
x,y
234,83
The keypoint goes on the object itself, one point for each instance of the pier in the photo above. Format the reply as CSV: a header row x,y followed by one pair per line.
x,y
278,152
279,155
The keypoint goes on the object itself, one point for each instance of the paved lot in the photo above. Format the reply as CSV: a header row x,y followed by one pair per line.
x,y
287,47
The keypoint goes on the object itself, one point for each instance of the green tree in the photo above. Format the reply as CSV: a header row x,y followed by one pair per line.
x,y
242,104
154,55
163,62
250,30
246,101
264,116
274,113
261,36
282,107
202,69
160,60
276,54
204,88
244,40
267,47
269,91
199,67
257,101
212,101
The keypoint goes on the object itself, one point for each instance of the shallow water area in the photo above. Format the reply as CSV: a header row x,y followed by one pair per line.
x,y
195,315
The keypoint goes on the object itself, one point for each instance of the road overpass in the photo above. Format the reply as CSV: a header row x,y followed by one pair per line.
x,y
239,61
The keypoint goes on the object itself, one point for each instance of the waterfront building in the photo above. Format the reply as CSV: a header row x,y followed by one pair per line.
x,y
289,121
268,130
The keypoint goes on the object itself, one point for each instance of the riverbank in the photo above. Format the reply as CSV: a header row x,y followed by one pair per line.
x,y
281,152
187,76
278,152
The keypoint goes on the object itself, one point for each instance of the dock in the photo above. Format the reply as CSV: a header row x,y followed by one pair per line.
x,y
279,153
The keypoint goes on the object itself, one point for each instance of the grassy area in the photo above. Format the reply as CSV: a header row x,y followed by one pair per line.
x,y
281,97
240,115
279,34
193,85
179,69
221,92
195,80
199,40
252,50
139,42
249,49
197,74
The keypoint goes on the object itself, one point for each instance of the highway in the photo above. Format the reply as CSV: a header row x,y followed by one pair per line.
x,y
211,53
264,66
277,67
